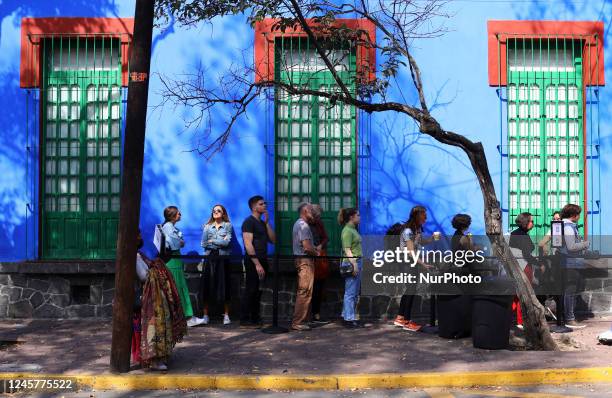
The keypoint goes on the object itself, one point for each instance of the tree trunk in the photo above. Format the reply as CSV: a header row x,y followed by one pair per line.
x,y
536,329
131,186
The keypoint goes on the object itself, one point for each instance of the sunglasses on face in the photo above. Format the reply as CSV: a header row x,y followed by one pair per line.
x,y
217,211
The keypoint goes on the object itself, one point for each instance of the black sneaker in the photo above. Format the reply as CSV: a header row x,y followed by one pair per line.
x,y
351,324
560,329
318,324
363,324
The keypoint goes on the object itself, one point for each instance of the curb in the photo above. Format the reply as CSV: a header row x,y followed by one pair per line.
x,y
329,382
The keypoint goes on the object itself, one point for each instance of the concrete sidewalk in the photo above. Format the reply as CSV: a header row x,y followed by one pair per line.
x,y
82,347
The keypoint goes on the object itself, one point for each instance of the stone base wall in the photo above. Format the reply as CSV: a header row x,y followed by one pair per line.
x,y
596,297
83,290
65,294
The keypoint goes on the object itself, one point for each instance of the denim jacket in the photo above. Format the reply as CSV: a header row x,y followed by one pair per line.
x,y
220,238
173,236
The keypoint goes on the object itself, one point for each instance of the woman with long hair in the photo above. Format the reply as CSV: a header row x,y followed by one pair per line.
x,y
174,243
411,239
351,247
159,322
215,281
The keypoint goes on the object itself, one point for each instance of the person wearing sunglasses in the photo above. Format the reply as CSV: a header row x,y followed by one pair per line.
x,y
215,282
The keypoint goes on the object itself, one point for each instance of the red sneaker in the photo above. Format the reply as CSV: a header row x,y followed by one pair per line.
x,y
399,321
412,326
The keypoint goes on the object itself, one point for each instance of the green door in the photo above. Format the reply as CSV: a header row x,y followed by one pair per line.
x,y
81,148
315,158
545,128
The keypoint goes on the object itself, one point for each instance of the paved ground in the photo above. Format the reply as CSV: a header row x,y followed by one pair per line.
x,y
567,391
82,347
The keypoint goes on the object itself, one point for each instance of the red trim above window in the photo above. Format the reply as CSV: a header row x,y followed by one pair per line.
x,y
34,29
264,47
591,32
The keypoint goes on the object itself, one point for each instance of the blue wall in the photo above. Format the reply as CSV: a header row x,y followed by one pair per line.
x,y
407,168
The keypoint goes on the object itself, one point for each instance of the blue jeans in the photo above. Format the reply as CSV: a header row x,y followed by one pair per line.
x,y
573,286
352,286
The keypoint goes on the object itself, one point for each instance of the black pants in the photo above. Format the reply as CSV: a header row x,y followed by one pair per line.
x,y
405,308
251,298
317,295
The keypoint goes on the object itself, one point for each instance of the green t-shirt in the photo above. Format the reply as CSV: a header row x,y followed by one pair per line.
x,y
351,240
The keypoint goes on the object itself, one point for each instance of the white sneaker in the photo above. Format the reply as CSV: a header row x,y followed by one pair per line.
x,y
521,327
194,321
574,325
226,319
205,320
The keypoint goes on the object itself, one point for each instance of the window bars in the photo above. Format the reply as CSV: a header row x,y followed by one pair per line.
x,y
550,156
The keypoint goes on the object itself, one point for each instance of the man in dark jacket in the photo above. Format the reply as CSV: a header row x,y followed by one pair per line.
x,y
520,239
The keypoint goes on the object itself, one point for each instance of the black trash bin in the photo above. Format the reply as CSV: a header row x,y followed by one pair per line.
x,y
454,316
492,314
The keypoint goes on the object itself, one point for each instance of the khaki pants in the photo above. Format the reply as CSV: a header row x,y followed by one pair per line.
x,y
305,279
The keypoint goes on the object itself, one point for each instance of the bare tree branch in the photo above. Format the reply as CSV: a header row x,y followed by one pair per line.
x,y
316,41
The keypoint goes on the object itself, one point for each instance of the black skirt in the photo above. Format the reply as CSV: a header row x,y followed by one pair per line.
x,y
215,282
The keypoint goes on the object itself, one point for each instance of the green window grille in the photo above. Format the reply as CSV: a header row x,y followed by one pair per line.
x,y
81,147
545,127
315,139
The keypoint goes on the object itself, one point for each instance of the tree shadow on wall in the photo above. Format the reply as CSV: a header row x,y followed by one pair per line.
x,y
411,169
14,138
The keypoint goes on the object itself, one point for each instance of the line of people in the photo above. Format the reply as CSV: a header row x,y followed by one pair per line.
x,y
411,237
570,262
309,244
309,239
